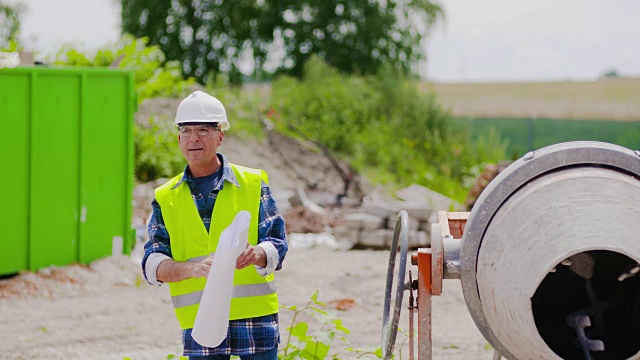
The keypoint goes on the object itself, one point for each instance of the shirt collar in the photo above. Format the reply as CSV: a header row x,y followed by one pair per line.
x,y
227,173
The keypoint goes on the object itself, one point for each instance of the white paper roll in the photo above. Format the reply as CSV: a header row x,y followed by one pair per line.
x,y
212,320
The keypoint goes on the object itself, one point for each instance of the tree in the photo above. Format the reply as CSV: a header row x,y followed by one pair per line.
x,y
206,36
210,37
9,22
610,74
356,36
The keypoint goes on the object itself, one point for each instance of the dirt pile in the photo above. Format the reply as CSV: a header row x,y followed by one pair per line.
x,y
73,280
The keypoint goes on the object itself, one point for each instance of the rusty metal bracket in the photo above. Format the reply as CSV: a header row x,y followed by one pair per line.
x,y
424,262
432,266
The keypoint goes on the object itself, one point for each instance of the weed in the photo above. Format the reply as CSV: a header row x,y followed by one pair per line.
x,y
314,345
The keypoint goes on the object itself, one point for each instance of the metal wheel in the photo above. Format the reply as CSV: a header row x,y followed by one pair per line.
x,y
390,327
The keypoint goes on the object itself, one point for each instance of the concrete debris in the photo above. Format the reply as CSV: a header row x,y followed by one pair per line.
x,y
369,226
309,240
488,174
363,221
300,219
307,203
423,197
382,208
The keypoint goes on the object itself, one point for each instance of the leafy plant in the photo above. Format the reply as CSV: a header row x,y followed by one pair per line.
x,y
315,345
156,151
10,16
11,46
377,352
303,344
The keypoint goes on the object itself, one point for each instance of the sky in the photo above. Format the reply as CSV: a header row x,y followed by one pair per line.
x,y
478,41
535,40
89,24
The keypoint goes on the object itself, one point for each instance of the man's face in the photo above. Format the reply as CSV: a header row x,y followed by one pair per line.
x,y
199,144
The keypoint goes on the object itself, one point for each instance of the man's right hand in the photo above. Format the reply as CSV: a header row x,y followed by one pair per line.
x,y
174,271
202,268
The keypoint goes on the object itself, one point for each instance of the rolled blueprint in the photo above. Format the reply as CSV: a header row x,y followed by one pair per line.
x,y
212,320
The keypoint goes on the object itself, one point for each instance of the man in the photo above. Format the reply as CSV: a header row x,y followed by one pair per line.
x,y
189,213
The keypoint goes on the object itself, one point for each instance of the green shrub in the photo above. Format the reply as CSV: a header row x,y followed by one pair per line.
x,y
385,126
327,106
245,108
157,153
152,75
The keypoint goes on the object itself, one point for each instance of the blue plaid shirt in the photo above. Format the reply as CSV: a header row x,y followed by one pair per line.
x,y
245,336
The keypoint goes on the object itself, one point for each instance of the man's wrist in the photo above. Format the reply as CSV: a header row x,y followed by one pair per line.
x,y
261,256
272,258
151,267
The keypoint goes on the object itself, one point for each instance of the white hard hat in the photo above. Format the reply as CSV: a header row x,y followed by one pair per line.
x,y
200,107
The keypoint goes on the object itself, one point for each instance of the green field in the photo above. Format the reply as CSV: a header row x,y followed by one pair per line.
x,y
530,134
607,99
531,115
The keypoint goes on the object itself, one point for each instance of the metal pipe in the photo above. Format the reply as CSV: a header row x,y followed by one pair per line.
x,y
412,310
424,304
452,265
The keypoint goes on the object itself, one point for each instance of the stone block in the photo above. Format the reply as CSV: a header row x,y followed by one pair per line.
x,y
418,239
359,221
379,239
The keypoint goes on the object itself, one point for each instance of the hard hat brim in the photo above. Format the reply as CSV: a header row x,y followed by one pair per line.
x,y
222,125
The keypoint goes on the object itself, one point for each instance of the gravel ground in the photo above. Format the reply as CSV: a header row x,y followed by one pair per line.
x,y
106,311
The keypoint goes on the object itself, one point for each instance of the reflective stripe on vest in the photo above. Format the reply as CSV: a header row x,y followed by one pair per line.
x,y
254,295
239,291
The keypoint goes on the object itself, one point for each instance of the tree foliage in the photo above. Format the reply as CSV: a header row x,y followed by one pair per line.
x,y
154,77
356,36
10,15
210,37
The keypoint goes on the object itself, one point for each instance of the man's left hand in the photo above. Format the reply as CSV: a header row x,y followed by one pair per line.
x,y
252,255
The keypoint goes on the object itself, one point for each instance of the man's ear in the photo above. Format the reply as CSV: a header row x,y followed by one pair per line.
x,y
221,138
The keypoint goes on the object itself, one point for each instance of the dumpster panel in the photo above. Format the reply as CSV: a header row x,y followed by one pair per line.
x,y
55,170
105,179
67,148
14,157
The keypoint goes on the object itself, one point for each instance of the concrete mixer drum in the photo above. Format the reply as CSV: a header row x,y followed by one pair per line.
x,y
548,258
550,253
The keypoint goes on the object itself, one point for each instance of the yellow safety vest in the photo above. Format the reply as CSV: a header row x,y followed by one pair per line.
x,y
253,295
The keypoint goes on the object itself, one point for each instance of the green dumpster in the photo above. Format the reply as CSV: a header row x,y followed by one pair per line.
x,y
67,162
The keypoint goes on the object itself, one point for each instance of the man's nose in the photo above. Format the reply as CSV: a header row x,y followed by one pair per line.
x,y
194,136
